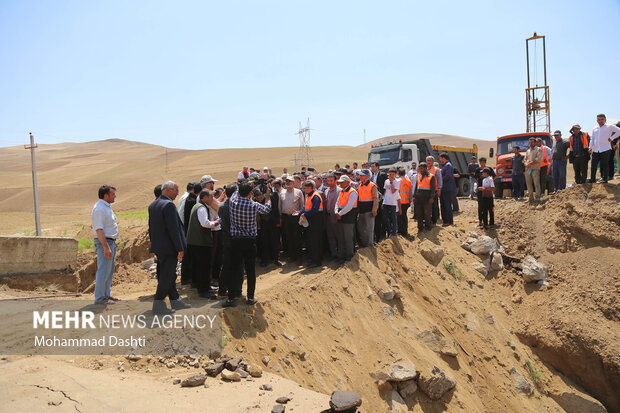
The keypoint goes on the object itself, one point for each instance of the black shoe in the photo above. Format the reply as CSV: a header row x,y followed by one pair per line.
x,y
179,304
159,308
229,303
209,295
251,301
277,263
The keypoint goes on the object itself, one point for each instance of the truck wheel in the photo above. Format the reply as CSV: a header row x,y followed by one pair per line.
x,y
499,189
464,187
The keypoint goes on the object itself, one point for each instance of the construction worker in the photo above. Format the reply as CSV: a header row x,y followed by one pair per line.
x,y
313,212
436,172
544,164
424,197
346,215
405,201
368,204
579,156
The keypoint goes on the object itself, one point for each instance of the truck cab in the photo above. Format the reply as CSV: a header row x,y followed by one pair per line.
x,y
395,155
505,153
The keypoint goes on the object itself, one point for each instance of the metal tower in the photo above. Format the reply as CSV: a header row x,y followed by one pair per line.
x,y
305,155
537,97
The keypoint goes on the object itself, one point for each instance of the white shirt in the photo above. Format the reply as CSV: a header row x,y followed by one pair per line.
x,y
600,137
181,205
411,175
389,197
350,204
103,218
488,182
213,214
203,219
241,176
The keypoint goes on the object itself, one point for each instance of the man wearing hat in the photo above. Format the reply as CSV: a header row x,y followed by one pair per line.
x,y
346,215
423,197
579,156
368,203
558,161
208,182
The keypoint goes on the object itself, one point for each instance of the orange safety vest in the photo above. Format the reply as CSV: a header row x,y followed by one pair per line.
x,y
424,182
545,157
343,198
433,171
364,192
308,205
405,186
584,140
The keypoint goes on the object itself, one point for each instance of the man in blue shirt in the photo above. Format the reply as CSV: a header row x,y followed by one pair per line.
x,y
106,232
447,191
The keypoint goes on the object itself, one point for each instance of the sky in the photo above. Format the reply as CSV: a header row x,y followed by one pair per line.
x,y
205,74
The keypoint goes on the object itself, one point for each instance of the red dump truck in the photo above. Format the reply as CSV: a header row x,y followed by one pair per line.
x,y
505,153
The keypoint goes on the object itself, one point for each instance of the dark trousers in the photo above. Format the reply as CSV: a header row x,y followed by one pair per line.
x,y
518,186
446,207
435,211
315,232
269,243
166,283
226,272
612,169
603,158
479,195
403,220
380,228
243,255
216,257
558,170
390,219
201,260
488,213
187,269
455,202
423,211
543,179
291,228
580,166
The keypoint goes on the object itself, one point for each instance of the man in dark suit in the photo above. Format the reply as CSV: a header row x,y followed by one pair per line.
x,y
168,243
379,179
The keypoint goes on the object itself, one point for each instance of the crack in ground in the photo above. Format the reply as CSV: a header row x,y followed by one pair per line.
x,y
57,391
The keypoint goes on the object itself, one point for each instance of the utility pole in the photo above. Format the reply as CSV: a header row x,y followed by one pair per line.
x,y
305,155
35,190
364,136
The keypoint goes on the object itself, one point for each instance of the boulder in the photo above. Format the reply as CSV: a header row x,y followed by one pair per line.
x,y
578,402
403,371
484,245
386,295
266,360
231,375
436,384
432,254
278,408
254,370
406,388
283,400
197,380
266,387
481,268
233,363
397,404
534,270
521,385
214,369
472,234
342,400
494,262
242,373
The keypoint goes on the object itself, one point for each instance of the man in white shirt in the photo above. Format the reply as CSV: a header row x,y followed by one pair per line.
x,y
391,202
243,174
413,172
600,147
183,198
105,230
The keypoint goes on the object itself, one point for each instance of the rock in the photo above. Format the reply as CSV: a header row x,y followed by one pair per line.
x,y
472,322
495,262
388,312
521,385
397,404
406,388
176,381
386,295
266,360
286,361
403,371
277,368
342,400
472,234
534,270
288,336
254,370
197,380
432,254
233,363
484,245
449,348
578,403
490,319
278,408
283,400
266,387
231,375
214,369
397,292
242,373
481,268
133,357
436,341
436,384
146,264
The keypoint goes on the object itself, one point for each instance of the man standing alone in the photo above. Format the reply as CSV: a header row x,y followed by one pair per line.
x,y
106,232
168,243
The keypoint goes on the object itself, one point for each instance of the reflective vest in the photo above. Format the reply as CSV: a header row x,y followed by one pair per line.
x,y
364,192
424,182
343,197
544,161
584,140
433,172
308,205
405,186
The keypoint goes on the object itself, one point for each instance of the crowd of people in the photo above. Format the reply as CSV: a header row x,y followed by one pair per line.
x,y
218,234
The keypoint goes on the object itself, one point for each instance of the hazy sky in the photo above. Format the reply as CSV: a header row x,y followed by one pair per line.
x,y
198,74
